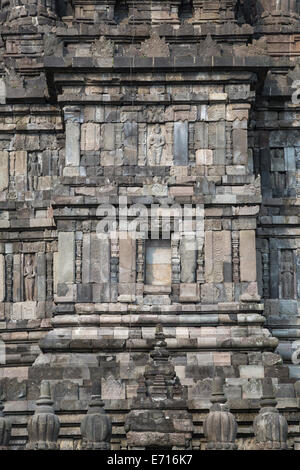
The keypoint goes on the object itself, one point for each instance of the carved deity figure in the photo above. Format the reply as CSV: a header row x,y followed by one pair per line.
x,y
287,274
157,142
34,171
29,278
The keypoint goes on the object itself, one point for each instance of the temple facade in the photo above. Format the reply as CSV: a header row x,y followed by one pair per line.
x,y
150,224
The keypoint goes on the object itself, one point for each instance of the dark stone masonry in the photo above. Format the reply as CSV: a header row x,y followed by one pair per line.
x,y
188,339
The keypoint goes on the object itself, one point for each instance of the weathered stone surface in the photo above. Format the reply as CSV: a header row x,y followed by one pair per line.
x,y
2,278
158,263
248,255
186,104
66,257
72,143
4,170
180,143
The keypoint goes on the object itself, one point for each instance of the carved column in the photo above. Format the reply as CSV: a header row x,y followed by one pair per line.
x,y
73,119
175,260
114,269
235,257
140,267
228,129
9,281
49,276
200,261
192,155
142,147
266,275
78,258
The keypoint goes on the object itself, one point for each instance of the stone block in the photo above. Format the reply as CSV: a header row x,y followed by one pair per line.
x,y
41,277
20,162
188,259
240,146
252,371
252,389
108,141
84,293
181,143
189,292
204,157
247,255
158,262
90,136
130,130
72,150
112,389
127,263
217,252
3,170
66,257
2,278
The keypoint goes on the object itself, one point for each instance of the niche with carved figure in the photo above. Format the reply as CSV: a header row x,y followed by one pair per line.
x,y
29,274
287,278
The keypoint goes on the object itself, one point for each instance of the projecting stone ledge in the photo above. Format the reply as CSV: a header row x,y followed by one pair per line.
x,y
125,63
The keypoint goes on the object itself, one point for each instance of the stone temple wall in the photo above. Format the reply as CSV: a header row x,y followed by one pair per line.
x,y
163,102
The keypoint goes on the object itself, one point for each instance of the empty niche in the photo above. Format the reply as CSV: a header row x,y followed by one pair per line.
x,y
158,262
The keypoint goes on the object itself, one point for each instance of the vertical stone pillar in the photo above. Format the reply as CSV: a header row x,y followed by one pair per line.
x,y
66,257
114,270
248,255
140,268
3,170
17,278
127,271
73,119
175,266
41,277
9,269
49,276
2,278
78,261
235,256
